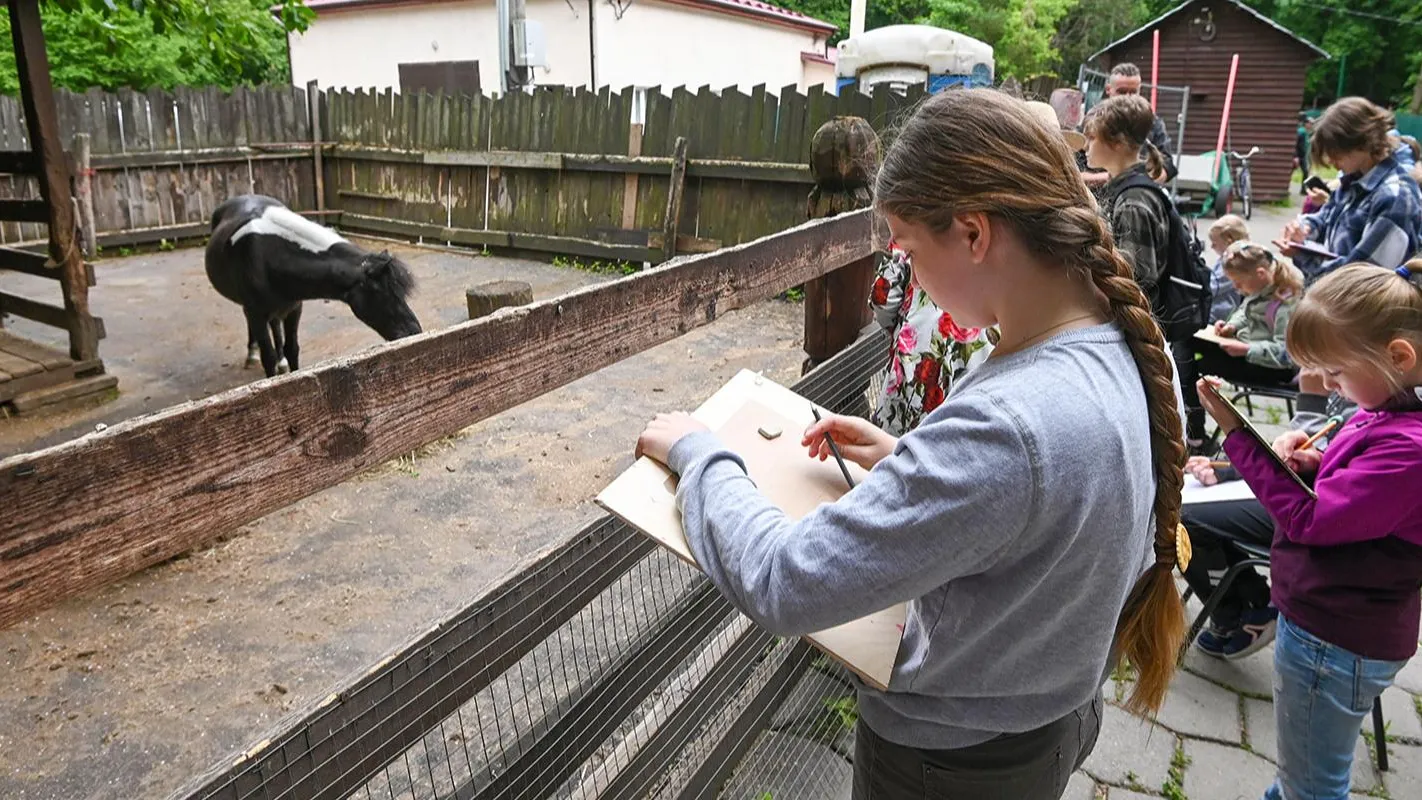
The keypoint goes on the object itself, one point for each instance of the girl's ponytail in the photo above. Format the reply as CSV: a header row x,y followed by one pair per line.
x,y
1155,160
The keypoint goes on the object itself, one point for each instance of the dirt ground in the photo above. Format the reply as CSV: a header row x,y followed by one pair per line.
x,y
130,691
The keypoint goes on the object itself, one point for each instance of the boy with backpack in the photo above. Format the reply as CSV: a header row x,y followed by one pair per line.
x,y
1163,251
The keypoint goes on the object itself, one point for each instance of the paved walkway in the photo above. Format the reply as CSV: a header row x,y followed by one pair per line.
x,y
1215,738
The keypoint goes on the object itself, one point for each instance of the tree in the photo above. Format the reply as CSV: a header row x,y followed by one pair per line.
x,y
140,44
1020,31
1092,25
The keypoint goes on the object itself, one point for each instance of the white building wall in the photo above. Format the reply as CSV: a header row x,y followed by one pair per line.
x,y
674,45
654,43
363,47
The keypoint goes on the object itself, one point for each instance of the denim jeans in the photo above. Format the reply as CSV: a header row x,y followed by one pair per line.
x,y
1322,693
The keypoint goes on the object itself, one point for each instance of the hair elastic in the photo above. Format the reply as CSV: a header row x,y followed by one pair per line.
x,y
1404,272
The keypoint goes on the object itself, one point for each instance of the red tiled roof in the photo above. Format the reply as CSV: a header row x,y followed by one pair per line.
x,y
752,8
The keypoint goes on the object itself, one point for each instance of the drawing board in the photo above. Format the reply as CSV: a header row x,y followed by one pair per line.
x,y
1209,335
644,496
1258,438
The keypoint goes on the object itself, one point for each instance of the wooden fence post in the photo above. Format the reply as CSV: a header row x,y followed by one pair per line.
x,y
313,101
84,193
37,97
843,157
678,185
629,186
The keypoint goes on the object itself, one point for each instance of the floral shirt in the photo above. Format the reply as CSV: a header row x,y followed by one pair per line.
x,y
930,350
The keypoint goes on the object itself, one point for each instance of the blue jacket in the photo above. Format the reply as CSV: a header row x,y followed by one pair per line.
x,y
1375,217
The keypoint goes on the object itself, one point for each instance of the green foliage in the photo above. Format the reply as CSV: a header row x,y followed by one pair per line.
x,y
1174,786
139,45
596,266
1020,31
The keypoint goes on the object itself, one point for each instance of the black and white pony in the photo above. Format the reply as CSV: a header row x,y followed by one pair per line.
x,y
268,259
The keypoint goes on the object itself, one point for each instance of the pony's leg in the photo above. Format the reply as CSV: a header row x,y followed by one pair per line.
x,y
253,353
257,331
275,326
292,349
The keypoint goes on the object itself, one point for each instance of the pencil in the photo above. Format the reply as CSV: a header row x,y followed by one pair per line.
x,y
834,448
1332,423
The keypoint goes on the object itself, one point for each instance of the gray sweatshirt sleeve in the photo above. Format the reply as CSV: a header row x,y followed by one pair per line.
x,y
953,497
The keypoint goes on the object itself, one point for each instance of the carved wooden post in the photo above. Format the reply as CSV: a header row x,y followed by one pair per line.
x,y
843,157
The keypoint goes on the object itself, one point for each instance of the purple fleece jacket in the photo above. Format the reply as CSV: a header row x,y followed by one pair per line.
x,y
1347,566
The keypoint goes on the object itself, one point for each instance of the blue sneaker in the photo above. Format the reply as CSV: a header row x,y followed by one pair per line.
x,y
1255,632
1214,640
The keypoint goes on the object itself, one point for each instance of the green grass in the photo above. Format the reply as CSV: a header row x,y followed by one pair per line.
x,y
597,266
1174,786
794,294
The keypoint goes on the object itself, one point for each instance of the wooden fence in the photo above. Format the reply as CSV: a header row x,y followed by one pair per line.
x,y
92,510
563,170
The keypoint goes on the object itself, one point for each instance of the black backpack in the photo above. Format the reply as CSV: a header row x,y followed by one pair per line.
x,y
1182,301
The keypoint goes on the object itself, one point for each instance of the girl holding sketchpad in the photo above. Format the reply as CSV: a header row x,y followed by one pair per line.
x,y
1346,560
1028,572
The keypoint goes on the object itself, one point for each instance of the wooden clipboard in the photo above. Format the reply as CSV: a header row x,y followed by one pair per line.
x,y
645,497
1209,335
1254,434
1312,248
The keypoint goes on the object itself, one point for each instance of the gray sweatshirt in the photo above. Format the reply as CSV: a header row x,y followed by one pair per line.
x,y
1014,520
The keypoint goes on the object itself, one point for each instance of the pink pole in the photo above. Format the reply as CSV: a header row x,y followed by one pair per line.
x,y
1154,67
1224,117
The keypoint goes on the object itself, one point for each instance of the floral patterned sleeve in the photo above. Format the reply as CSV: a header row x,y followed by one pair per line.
x,y
891,283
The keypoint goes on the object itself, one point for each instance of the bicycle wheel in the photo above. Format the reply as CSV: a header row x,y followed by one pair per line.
x,y
1246,194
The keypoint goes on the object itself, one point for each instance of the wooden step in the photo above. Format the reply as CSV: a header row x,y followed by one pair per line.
x,y
68,395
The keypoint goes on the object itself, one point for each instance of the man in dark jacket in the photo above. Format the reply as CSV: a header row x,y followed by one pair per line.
x,y
1125,78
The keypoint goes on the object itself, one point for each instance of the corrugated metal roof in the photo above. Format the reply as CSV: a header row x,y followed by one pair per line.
x,y
1172,12
753,8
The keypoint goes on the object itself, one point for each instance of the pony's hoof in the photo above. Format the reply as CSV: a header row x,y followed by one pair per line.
x,y
249,363
283,367
253,358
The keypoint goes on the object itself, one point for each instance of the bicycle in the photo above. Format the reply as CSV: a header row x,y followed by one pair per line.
x,y
1243,186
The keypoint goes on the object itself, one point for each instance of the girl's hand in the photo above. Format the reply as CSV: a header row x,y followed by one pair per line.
x,y
1214,406
663,432
1235,348
1296,231
1224,329
1318,195
1200,467
1304,462
858,440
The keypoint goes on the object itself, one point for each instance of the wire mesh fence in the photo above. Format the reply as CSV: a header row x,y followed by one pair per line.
x,y
1172,102
606,669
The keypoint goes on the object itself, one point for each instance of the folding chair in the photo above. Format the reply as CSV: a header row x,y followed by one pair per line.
x,y
1258,556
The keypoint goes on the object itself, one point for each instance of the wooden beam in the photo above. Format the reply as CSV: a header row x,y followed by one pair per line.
x,y
18,162
469,237
215,155
629,183
588,162
146,490
25,211
84,194
37,96
27,262
313,104
674,194
33,310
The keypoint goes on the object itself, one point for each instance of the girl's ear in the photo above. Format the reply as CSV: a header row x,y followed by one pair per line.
x,y
1403,355
976,231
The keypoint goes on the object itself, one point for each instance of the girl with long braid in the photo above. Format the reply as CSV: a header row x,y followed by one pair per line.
x,y
1027,575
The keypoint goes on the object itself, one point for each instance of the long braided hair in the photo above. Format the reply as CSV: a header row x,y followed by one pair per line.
x,y
978,150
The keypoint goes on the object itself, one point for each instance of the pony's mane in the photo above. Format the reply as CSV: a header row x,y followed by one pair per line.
x,y
396,278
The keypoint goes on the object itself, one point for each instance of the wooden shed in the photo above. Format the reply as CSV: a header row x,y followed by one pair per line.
x,y
1197,39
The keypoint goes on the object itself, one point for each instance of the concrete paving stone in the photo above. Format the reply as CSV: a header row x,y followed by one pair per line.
x,y
1220,772
1196,707
1253,675
1410,678
1127,794
1365,769
1399,715
1263,728
1129,745
1080,787
1404,775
